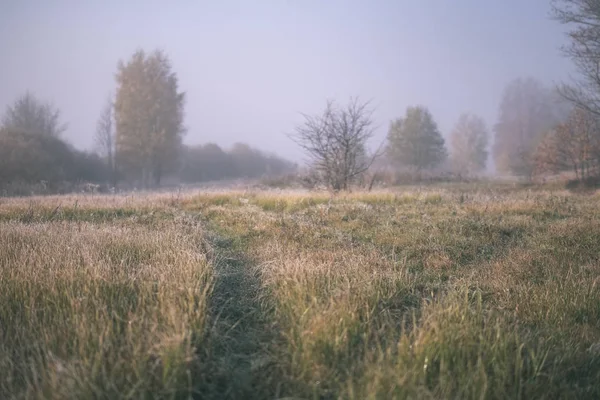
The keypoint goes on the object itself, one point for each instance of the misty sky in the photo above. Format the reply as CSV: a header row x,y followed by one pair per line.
x,y
250,67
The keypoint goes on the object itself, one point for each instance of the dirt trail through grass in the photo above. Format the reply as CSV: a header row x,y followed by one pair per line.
x,y
241,334
412,296
265,295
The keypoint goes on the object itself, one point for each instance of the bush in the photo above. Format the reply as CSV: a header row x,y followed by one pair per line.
x,y
209,162
587,183
42,164
26,157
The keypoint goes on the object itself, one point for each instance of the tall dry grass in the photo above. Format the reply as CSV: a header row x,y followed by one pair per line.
x,y
92,307
444,292
428,293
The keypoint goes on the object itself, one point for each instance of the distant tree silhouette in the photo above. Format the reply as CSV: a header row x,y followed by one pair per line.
x,y
30,115
415,140
469,145
527,111
572,146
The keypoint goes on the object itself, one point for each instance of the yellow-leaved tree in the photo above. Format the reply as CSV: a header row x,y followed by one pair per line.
x,y
148,117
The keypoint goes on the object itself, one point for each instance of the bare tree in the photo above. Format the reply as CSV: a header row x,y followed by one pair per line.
x,y
105,139
336,142
584,50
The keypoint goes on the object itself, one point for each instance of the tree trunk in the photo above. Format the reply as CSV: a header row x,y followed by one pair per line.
x,y
146,177
113,174
372,182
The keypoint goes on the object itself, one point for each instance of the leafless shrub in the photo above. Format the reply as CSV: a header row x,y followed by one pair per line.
x,y
336,143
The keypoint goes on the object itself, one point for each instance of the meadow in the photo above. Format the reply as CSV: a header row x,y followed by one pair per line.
x,y
439,292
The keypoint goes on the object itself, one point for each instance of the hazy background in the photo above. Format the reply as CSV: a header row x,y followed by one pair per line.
x,y
250,67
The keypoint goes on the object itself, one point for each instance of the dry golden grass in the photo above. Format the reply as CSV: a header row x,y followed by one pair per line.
x,y
95,309
436,292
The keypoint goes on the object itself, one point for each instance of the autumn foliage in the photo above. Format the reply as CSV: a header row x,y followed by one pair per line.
x,y
572,146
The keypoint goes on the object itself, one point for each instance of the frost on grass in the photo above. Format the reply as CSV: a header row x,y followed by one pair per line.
x,y
440,292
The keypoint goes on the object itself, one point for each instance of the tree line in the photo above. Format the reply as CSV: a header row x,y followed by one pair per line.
x,y
540,130
139,137
209,162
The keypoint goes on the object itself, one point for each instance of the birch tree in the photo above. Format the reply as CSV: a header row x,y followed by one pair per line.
x,y
148,116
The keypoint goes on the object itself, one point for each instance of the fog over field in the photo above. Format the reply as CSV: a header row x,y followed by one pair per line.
x,y
284,200
249,68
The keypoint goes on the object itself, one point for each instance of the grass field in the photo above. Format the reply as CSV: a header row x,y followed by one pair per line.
x,y
446,292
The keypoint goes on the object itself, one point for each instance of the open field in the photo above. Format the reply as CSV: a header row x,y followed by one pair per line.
x,y
446,292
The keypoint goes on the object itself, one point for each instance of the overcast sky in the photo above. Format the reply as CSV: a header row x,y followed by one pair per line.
x,y
250,67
